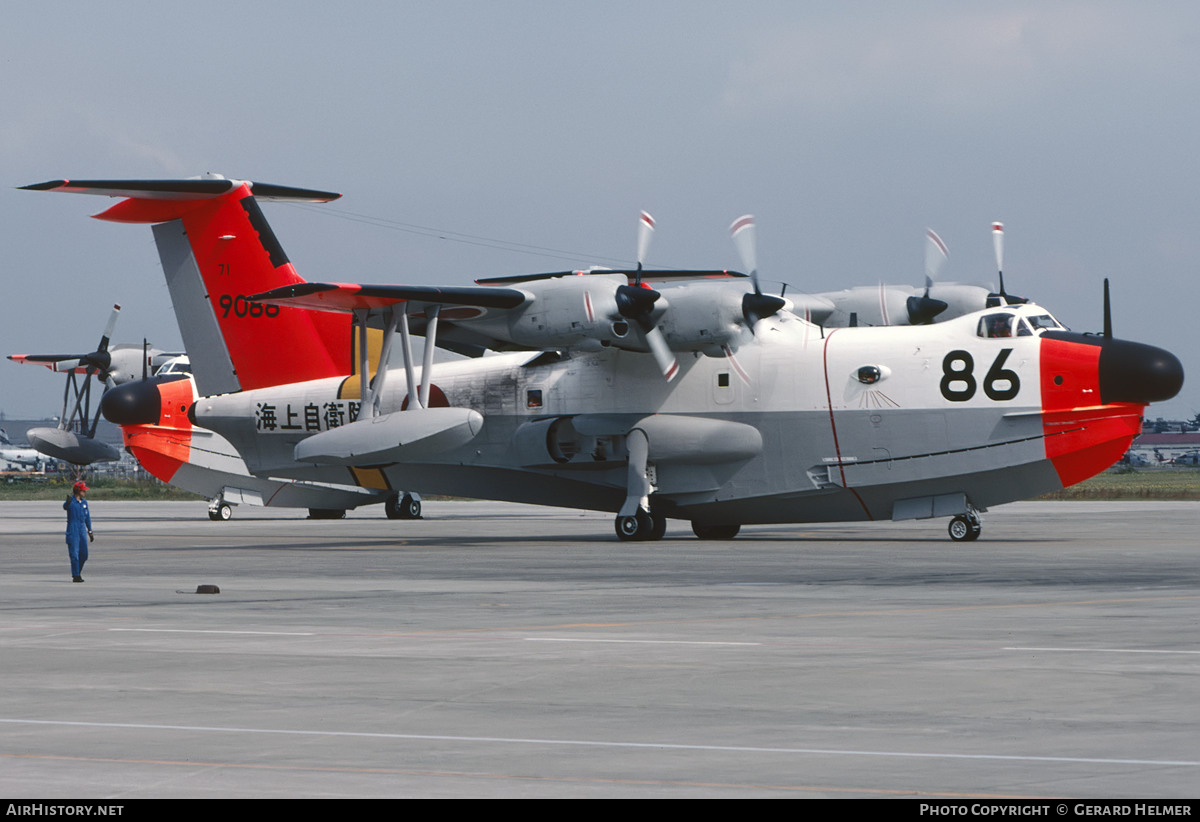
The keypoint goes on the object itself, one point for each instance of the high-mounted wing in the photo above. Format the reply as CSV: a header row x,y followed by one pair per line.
x,y
375,305
652,275
60,363
354,297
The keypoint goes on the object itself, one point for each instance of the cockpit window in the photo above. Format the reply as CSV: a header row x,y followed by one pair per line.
x,y
1042,321
177,366
996,325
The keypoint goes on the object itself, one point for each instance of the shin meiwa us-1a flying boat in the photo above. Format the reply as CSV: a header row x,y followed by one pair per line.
x,y
654,395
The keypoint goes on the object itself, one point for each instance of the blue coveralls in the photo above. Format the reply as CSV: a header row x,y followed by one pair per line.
x,y
79,522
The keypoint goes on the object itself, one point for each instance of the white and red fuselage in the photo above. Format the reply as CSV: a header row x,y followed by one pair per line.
x,y
762,416
845,424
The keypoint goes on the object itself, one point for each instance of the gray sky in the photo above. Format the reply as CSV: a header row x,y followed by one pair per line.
x,y
847,128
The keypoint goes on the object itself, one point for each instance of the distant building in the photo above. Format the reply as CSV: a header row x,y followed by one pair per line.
x,y
1159,448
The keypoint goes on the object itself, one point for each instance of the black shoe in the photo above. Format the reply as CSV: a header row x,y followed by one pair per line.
x,y
76,579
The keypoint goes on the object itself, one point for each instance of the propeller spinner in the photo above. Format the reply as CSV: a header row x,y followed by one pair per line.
x,y
922,310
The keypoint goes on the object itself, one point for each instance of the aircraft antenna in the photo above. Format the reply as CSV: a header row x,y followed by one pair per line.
x,y
1107,313
998,247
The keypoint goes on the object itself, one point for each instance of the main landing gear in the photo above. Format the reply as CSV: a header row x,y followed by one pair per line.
x,y
406,507
219,510
965,527
715,531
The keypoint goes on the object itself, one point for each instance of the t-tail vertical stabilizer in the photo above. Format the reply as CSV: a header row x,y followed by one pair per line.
x,y
216,248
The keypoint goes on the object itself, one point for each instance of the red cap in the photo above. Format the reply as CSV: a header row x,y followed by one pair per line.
x,y
80,486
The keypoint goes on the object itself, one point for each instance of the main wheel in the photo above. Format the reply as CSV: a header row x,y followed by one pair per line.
x,y
408,507
715,531
222,513
658,526
964,528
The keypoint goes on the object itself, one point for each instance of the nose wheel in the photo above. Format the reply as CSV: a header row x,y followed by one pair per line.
x,y
641,527
965,527
219,510
406,507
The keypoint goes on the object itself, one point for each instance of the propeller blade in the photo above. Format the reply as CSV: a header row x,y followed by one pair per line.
x,y
998,244
662,353
1002,297
743,233
758,305
108,329
936,255
645,234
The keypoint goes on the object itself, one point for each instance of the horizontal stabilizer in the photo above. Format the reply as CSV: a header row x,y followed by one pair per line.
x,y
190,189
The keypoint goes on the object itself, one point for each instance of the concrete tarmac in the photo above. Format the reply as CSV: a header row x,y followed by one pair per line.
x,y
495,650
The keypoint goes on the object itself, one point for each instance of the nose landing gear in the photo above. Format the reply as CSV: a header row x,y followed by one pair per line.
x,y
219,510
641,527
965,527
406,507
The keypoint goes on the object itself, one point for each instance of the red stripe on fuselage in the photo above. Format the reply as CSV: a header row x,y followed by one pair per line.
x,y
837,449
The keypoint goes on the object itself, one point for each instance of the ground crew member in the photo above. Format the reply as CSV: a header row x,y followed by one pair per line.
x,y
79,530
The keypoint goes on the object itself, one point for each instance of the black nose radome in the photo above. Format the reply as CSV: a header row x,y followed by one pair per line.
x,y
1135,372
134,403
1130,371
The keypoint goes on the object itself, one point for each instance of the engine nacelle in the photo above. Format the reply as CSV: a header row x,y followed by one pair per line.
x,y
592,441
563,312
704,316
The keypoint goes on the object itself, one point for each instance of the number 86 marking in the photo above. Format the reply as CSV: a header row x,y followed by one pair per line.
x,y
958,378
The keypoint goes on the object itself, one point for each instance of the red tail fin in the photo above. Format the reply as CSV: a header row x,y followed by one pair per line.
x,y
216,247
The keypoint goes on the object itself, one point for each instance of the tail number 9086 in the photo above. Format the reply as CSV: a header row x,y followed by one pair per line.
x,y
240,306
